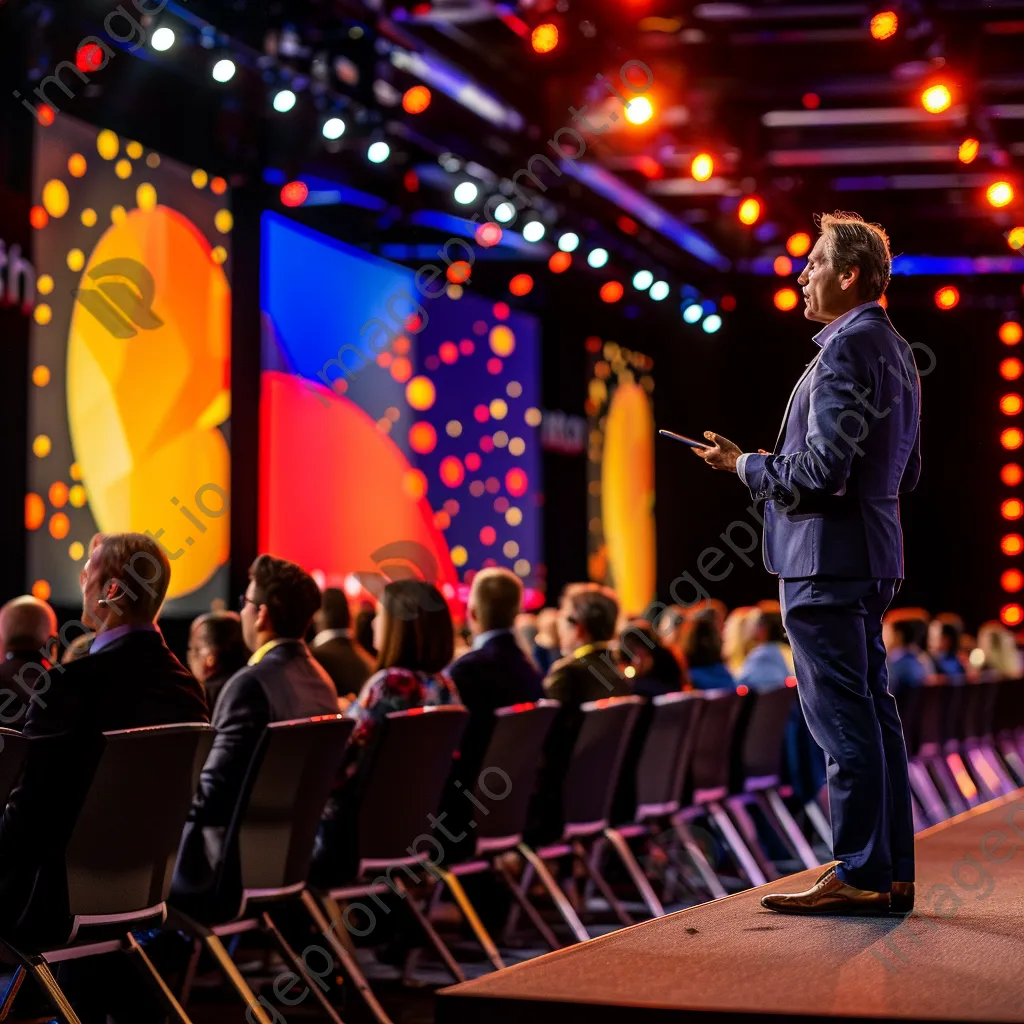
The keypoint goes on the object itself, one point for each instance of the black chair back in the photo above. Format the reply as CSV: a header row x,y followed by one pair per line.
x,y
762,740
908,704
665,756
1008,715
931,718
709,767
597,755
122,850
277,816
953,711
405,781
508,773
13,749
979,709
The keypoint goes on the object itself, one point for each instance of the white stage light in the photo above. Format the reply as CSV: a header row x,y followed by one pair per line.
x,y
712,323
504,213
284,100
333,128
642,280
465,192
533,231
378,152
162,39
659,290
597,258
569,242
224,70
693,312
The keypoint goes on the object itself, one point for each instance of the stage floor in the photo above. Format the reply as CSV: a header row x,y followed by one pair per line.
x,y
958,957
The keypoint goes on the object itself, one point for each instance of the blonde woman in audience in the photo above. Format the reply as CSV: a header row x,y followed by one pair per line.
x,y
999,651
737,637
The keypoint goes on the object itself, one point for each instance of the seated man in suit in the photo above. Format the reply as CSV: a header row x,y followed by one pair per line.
x,y
28,627
281,681
216,651
129,680
766,666
348,665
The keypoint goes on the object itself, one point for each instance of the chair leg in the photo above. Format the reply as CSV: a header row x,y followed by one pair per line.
x,y
216,949
13,988
744,857
820,824
592,865
636,873
471,916
964,782
523,900
700,862
348,962
190,972
737,811
315,985
928,796
137,955
775,807
952,797
431,933
558,897
40,970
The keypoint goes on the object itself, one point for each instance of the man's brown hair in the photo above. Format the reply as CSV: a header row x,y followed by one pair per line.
x,y
289,592
496,596
594,608
140,567
853,242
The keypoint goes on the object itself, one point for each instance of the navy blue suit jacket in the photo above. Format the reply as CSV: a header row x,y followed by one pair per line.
x,y
850,444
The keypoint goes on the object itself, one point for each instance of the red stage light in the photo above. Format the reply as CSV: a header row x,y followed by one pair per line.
x,y
416,99
798,244
1012,544
968,150
811,100
611,291
628,225
1011,614
411,181
45,115
947,297
1010,332
749,211
544,38
1011,369
649,167
783,266
786,299
521,284
1010,404
294,193
1012,580
559,262
728,303
1012,508
89,58
884,25
742,690
38,217
1011,438
488,234
1011,474
458,272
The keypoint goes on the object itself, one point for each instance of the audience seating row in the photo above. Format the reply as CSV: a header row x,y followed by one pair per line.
x,y
639,777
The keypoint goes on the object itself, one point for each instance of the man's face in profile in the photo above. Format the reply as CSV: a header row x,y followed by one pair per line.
x,y
824,296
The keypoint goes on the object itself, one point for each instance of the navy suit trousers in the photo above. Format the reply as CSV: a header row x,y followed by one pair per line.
x,y
835,629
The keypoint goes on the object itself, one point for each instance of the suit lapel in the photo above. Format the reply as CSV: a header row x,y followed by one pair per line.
x,y
789,404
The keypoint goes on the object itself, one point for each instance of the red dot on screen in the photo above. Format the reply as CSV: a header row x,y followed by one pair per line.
x,y
494,365
449,352
486,444
488,535
480,327
473,461
516,482
466,347
480,413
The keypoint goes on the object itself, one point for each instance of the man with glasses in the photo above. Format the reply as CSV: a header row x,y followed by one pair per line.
x,y
281,681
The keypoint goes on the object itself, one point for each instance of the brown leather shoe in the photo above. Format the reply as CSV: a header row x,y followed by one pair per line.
x,y
829,895
901,899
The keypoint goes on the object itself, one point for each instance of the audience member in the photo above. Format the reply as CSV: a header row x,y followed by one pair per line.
x,y
129,680
28,628
702,645
362,628
547,649
281,681
586,625
944,634
766,667
413,632
651,667
738,637
334,646
999,651
907,665
216,651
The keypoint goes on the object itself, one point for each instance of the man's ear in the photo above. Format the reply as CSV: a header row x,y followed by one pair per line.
x,y
262,619
849,278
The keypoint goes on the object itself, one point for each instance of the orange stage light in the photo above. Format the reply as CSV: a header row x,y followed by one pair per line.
x,y
1012,580
1011,614
1011,474
639,110
458,272
947,297
295,193
1011,438
611,291
559,262
968,150
884,25
783,266
999,194
798,244
786,299
1010,404
38,217
521,284
702,166
416,99
1010,332
1012,544
544,38
936,98
1011,369
1015,238
1012,508
749,211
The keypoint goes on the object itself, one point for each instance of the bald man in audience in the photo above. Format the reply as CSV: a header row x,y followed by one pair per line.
x,y
28,630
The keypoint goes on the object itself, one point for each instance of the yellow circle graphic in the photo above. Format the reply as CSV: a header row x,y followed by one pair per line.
x,y
45,284
89,217
42,314
145,197
41,446
123,169
107,144
55,198
76,260
223,221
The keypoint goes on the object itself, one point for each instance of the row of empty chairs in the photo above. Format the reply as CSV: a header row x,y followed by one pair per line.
x,y
640,776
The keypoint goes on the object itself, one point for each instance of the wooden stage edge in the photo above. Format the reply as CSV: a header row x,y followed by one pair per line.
x,y
958,957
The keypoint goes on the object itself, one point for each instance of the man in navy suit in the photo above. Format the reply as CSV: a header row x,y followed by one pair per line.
x,y
848,447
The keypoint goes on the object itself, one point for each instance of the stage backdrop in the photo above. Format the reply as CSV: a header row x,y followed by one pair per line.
x,y
130,361
620,472
398,433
